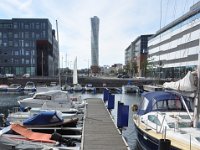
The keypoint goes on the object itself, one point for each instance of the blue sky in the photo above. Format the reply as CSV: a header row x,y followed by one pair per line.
x,y
121,22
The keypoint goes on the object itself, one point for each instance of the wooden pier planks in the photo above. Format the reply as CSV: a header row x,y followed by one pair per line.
x,y
100,133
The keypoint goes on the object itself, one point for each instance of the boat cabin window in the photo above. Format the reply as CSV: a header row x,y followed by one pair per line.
x,y
154,119
43,97
144,104
172,104
60,96
179,124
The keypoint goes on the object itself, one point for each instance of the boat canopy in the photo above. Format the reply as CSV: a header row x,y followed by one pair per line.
x,y
185,84
44,118
162,101
52,95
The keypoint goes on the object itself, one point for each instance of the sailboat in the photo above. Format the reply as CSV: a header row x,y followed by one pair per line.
x,y
76,87
166,118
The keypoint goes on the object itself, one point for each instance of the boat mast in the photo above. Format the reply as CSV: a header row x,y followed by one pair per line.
x,y
197,98
58,55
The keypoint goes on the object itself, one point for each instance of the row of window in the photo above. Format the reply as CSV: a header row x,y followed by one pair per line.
x,y
177,26
18,70
21,52
24,25
23,35
19,61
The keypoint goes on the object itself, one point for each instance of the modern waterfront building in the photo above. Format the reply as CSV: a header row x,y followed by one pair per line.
x,y
174,49
28,45
95,44
136,56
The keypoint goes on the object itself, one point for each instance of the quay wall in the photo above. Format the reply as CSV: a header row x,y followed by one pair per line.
x,y
96,81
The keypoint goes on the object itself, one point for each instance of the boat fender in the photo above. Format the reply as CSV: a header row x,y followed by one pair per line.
x,y
134,108
58,137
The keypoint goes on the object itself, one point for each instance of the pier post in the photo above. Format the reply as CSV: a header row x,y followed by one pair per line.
x,y
122,115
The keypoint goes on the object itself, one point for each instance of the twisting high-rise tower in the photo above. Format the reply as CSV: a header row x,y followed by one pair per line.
x,y
95,44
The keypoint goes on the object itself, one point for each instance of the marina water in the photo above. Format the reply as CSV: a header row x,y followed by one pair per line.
x,y
8,101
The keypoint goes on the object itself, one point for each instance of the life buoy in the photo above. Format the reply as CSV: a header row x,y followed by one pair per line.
x,y
134,107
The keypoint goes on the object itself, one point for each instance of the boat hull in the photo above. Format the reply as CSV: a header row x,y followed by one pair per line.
x,y
147,142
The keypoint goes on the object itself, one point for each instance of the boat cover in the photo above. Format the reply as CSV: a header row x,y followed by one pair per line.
x,y
35,136
152,97
185,84
44,118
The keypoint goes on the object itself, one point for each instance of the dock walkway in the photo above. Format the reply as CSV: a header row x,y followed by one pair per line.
x,y
99,131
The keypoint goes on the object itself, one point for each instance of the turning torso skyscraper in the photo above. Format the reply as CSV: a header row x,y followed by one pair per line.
x,y
95,44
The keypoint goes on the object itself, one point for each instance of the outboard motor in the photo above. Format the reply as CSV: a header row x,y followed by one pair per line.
x,y
58,137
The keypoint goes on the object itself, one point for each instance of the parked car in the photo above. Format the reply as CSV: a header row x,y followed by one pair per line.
x,y
8,75
27,75
125,76
119,76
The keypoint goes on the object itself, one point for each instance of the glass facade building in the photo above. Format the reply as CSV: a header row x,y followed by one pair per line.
x,y
28,46
174,49
136,56
94,42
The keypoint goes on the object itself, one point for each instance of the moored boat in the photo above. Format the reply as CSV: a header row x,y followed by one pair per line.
x,y
130,88
89,87
17,136
30,87
166,115
14,88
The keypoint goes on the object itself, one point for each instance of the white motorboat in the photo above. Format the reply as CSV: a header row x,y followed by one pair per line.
x,y
66,87
167,119
3,88
38,99
89,87
30,87
20,116
52,100
130,88
14,88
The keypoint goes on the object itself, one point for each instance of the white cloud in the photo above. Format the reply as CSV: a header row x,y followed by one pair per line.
x,y
121,21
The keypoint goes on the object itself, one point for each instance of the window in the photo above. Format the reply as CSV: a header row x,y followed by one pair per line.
x,y
144,104
5,44
15,25
43,34
5,35
26,26
27,53
154,119
33,34
10,34
37,25
16,44
174,104
15,35
26,44
43,97
26,35
37,36
10,43
16,53
27,61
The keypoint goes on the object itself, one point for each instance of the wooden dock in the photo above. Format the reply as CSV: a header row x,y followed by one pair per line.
x,y
99,130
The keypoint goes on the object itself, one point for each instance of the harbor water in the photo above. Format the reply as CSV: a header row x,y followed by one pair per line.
x,y
8,101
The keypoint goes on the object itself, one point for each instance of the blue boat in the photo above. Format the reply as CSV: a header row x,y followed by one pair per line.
x,y
164,118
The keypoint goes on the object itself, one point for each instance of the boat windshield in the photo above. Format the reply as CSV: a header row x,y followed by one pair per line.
x,y
171,104
42,97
